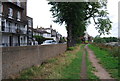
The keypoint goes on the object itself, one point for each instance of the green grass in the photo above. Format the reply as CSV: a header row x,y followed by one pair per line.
x,y
72,71
108,62
30,72
65,66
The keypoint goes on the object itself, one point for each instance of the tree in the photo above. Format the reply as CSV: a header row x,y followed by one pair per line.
x,y
76,17
99,40
105,39
40,39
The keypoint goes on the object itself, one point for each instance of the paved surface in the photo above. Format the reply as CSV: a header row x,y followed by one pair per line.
x,y
100,71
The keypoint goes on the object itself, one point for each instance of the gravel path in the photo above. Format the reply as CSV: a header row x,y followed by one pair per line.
x,y
100,71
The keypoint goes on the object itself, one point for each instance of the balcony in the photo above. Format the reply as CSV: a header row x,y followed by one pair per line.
x,y
15,4
14,30
13,44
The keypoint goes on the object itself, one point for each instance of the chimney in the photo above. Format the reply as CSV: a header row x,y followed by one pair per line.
x,y
50,26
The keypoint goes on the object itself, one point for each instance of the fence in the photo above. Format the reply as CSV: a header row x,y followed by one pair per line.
x,y
15,59
13,29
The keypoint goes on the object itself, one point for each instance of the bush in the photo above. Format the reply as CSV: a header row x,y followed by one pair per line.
x,y
78,41
40,39
114,52
62,40
105,39
99,40
70,48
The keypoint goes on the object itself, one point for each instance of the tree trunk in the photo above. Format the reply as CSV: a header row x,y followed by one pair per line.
x,y
73,40
69,38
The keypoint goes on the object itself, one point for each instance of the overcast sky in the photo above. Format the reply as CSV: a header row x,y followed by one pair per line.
x,y
39,11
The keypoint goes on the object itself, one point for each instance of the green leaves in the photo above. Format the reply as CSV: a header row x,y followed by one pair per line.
x,y
103,13
104,25
40,39
77,14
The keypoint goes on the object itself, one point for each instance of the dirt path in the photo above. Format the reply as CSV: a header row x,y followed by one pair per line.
x,y
100,71
83,73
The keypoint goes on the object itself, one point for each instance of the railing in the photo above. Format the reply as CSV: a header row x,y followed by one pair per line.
x,y
17,44
14,30
30,33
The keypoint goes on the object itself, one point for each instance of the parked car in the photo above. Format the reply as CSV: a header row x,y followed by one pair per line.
x,y
49,42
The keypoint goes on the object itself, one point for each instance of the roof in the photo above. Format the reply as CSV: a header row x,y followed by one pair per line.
x,y
39,31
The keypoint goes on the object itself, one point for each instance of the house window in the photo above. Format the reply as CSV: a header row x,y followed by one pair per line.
x,y
18,16
10,13
15,25
9,27
3,26
1,8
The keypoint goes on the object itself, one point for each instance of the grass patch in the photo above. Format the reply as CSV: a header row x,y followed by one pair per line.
x,y
30,72
72,71
108,61
64,66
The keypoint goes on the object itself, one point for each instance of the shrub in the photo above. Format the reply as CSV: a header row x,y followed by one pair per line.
x,y
114,51
40,39
70,48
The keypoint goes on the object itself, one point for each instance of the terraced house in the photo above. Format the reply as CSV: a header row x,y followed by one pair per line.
x,y
14,23
48,33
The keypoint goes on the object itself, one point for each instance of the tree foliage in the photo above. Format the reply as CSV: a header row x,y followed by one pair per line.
x,y
41,39
76,16
105,39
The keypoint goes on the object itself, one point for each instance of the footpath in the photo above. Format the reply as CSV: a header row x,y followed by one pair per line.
x,y
100,72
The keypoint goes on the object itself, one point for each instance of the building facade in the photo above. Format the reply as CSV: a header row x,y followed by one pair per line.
x,y
30,30
47,33
14,23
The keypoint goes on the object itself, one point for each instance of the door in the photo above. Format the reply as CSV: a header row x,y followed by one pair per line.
x,y
10,40
18,40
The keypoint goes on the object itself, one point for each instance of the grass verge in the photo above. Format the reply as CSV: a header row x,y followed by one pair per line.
x,y
64,66
72,71
108,61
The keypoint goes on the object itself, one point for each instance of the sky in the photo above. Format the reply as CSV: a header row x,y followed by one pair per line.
x,y
112,8
42,17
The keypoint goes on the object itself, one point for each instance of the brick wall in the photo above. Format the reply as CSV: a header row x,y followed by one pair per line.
x,y
15,59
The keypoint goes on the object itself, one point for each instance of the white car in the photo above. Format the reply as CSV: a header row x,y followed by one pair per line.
x,y
49,42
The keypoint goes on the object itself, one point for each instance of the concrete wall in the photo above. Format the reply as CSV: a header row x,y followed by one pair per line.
x,y
15,59
0,57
